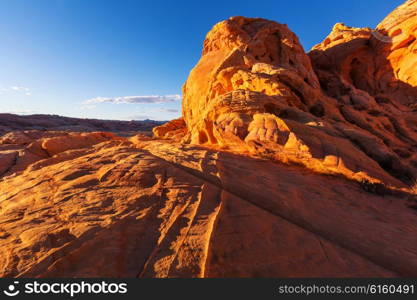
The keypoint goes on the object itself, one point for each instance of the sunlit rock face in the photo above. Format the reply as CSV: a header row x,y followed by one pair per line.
x,y
109,207
248,67
379,61
283,164
371,76
343,108
401,53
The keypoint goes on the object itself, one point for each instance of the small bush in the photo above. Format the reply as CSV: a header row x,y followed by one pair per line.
x,y
374,187
414,188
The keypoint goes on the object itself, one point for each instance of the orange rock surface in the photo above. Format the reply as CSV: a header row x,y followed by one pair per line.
x,y
284,164
370,75
350,111
174,129
167,210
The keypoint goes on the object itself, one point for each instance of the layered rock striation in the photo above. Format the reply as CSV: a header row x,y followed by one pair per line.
x,y
284,164
347,107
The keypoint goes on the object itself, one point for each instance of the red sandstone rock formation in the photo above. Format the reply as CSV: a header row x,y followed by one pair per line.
x,y
350,112
370,75
174,129
166,210
239,186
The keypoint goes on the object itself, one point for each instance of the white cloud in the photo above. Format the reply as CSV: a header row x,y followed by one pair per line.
x,y
16,89
19,88
169,110
135,99
139,118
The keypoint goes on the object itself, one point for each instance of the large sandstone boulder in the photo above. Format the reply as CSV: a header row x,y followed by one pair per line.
x,y
20,150
249,55
255,91
370,74
399,44
239,186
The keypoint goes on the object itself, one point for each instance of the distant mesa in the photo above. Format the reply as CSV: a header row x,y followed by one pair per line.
x,y
12,122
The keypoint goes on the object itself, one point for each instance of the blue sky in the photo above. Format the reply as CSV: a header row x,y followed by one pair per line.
x,y
123,59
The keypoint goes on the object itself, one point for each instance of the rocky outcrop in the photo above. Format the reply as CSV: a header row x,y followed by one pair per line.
x,y
380,62
174,129
239,186
160,209
399,46
369,74
349,112
21,149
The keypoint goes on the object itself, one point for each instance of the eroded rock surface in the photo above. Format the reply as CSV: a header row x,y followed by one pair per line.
x,y
349,111
370,75
159,209
284,164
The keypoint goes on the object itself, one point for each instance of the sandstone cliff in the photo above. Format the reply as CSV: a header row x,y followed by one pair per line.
x,y
284,164
348,107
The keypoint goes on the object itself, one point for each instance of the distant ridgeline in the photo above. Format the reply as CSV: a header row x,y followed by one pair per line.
x,y
10,122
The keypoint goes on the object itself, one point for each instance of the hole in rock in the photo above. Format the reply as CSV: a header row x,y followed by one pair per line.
x,y
317,110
